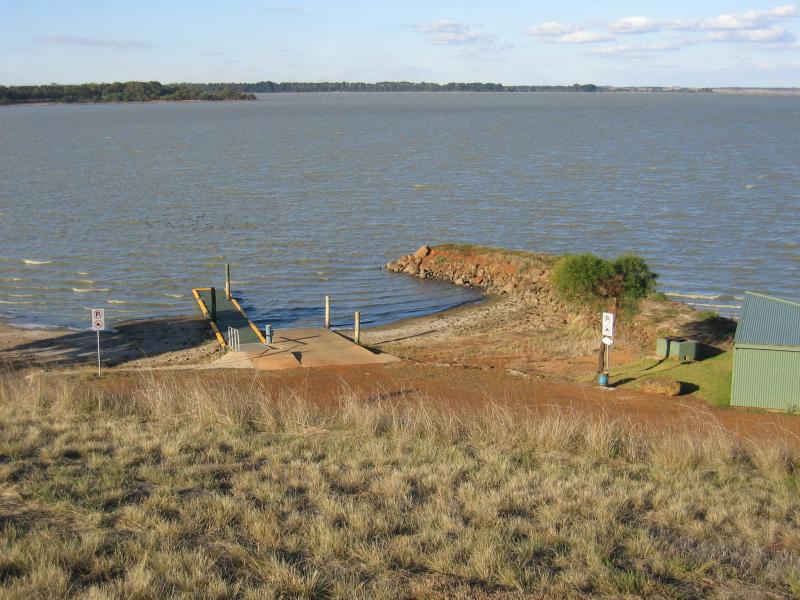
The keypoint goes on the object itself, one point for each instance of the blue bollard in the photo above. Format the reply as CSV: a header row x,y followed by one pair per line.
x,y
602,379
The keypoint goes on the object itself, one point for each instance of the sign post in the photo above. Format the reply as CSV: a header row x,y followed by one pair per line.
x,y
608,338
98,325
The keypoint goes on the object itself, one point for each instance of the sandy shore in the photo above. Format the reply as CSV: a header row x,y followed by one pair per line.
x,y
173,341
445,324
141,343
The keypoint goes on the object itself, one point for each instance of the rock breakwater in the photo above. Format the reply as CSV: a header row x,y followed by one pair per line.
x,y
497,272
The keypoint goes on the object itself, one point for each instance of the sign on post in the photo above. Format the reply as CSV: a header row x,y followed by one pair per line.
x,y
98,324
608,324
608,340
98,319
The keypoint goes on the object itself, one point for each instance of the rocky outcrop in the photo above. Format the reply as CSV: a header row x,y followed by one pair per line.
x,y
497,272
525,277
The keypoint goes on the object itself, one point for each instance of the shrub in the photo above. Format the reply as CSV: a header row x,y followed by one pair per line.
x,y
582,276
587,277
636,277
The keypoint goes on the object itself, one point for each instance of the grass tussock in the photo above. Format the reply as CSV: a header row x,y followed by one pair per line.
x,y
149,487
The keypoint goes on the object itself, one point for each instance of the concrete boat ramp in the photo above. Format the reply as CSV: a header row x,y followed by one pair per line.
x,y
296,348
244,345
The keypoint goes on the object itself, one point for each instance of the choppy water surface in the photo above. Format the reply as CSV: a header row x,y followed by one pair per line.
x,y
129,206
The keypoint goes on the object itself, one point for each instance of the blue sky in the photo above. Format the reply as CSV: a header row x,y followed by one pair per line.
x,y
713,43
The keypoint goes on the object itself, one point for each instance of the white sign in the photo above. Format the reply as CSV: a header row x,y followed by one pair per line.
x,y
98,319
608,324
607,341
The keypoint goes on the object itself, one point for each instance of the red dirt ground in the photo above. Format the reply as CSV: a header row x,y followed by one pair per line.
x,y
469,388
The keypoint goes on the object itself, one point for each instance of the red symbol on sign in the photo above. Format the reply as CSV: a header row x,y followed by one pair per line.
x,y
98,324
98,314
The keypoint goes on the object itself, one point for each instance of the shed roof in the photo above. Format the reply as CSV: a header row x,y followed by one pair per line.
x,y
768,321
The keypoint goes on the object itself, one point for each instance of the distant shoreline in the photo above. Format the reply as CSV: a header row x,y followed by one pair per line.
x,y
154,91
715,91
129,91
758,91
119,102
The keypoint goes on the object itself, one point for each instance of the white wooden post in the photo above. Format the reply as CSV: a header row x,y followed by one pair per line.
x,y
327,312
228,281
357,333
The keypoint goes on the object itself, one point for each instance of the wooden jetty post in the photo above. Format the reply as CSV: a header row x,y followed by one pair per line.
x,y
228,281
214,304
357,332
327,312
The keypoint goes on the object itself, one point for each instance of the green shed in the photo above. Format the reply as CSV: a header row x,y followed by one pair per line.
x,y
766,354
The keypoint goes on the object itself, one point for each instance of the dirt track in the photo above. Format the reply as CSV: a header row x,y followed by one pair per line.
x,y
471,388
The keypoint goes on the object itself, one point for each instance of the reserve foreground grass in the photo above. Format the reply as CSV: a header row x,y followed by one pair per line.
x,y
149,487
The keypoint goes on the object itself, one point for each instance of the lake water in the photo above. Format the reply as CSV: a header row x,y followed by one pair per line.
x,y
130,206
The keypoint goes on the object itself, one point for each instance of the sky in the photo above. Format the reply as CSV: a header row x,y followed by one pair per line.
x,y
678,43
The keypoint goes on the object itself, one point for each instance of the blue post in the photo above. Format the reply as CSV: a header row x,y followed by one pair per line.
x,y
268,333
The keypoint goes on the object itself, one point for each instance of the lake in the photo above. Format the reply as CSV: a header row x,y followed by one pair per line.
x,y
129,206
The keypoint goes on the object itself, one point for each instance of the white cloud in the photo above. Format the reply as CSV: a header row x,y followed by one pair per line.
x,y
771,35
461,37
640,48
634,25
620,49
584,37
749,20
752,19
447,33
550,29
442,26
752,26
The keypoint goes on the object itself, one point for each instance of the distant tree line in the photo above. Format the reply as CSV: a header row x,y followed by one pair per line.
x,y
271,87
129,91
147,91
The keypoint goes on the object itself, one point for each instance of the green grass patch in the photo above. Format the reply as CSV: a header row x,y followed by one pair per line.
x,y
476,249
711,377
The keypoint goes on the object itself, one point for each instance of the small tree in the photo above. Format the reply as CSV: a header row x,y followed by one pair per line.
x,y
586,277
582,276
638,281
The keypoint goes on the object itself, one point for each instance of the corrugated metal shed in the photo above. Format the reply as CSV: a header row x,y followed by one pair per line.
x,y
766,354
766,379
767,321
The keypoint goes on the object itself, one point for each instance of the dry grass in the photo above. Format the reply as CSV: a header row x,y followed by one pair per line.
x,y
151,487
